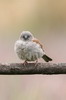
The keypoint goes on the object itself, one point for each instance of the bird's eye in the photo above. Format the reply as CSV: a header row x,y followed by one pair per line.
x,y
28,36
23,36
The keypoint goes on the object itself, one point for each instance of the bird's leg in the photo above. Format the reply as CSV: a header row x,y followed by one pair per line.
x,y
36,63
25,62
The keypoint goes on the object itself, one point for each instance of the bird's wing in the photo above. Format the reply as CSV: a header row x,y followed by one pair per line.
x,y
38,42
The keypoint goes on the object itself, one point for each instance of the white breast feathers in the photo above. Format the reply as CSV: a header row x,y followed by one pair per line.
x,y
29,51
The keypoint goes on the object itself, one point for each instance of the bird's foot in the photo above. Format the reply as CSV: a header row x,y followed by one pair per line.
x,y
36,63
25,63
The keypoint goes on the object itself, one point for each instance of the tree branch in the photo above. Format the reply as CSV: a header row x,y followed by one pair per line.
x,y
32,68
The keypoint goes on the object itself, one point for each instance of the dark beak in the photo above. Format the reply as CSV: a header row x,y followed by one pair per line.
x,y
25,37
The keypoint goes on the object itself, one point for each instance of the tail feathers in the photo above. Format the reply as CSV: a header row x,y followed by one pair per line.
x,y
46,58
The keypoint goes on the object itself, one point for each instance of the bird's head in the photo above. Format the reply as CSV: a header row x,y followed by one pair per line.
x,y
26,36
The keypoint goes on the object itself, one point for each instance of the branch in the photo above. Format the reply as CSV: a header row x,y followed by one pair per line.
x,y
32,68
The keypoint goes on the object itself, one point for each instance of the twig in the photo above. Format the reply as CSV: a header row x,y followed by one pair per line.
x,y
32,68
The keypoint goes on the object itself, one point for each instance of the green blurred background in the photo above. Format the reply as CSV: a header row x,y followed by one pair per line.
x,y
46,19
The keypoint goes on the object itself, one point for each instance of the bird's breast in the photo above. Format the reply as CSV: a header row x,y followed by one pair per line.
x,y
29,51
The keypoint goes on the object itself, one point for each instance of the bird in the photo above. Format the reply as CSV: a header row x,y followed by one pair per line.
x,y
28,48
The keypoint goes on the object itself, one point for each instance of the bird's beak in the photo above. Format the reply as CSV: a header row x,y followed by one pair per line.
x,y
25,36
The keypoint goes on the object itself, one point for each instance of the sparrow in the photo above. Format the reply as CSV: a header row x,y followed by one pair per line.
x,y
28,48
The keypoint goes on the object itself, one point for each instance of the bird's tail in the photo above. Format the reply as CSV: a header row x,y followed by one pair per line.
x,y
46,58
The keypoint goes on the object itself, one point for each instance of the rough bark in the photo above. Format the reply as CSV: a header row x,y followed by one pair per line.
x,y
32,68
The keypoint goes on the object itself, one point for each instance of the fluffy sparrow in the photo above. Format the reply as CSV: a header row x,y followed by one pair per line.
x,y
29,48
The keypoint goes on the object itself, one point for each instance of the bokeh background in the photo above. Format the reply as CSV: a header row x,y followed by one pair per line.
x,y
46,19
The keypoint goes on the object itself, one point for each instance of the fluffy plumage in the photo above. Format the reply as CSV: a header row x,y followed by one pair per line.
x,y
29,48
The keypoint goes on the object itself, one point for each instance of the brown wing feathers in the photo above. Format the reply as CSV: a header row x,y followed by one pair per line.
x,y
37,41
